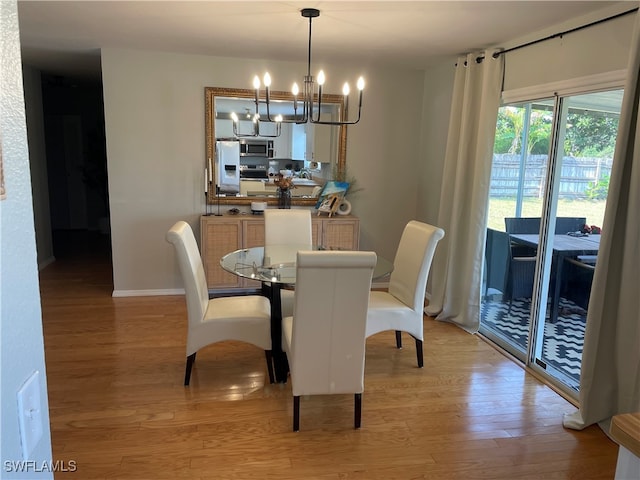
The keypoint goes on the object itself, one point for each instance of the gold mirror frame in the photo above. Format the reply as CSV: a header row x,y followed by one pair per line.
x,y
210,93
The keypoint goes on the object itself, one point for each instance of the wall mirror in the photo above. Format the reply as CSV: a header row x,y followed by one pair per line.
x,y
307,150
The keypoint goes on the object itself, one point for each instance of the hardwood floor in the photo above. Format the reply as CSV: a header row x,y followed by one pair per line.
x,y
118,408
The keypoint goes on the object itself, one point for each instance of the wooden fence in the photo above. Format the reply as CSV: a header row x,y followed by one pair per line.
x,y
576,175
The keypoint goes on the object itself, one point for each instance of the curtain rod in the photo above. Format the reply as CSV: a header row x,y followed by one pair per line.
x,y
560,34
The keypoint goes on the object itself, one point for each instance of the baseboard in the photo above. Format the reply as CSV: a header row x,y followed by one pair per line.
x,y
46,262
148,293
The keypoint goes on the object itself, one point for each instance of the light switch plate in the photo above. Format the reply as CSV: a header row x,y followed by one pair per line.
x,y
30,414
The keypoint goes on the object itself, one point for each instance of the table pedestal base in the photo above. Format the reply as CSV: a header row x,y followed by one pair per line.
x,y
280,363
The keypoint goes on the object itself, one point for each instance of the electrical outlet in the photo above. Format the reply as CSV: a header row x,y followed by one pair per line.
x,y
30,414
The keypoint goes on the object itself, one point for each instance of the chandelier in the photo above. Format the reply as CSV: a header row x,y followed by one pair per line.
x,y
311,109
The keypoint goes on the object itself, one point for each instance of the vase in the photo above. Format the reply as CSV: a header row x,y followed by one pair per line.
x,y
284,198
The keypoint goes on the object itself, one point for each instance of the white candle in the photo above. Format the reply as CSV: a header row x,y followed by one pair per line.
x,y
210,171
206,181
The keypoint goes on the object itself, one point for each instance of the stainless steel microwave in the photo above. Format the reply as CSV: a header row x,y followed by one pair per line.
x,y
256,148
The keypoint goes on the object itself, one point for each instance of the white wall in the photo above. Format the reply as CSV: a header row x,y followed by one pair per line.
x,y
21,341
594,50
438,87
154,116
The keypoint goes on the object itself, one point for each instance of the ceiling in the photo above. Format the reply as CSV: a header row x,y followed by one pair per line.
x,y
65,38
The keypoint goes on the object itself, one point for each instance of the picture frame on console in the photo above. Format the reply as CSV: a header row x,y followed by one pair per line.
x,y
331,197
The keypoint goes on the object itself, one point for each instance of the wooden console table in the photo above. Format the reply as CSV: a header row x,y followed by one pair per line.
x,y
625,430
220,235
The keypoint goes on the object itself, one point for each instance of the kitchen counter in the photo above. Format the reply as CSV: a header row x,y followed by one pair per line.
x,y
296,181
305,182
303,187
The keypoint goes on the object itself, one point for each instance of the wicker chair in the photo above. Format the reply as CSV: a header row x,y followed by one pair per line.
x,y
532,224
579,277
511,275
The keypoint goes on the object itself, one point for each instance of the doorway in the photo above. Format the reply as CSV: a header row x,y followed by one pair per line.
x,y
73,114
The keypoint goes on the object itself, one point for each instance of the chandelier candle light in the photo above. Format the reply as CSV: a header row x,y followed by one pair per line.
x,y
256,126
307,115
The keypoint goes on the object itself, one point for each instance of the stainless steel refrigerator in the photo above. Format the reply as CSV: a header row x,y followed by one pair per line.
x,y
228,166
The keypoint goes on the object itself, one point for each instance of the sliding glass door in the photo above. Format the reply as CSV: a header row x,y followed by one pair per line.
x,y
518,178
552,160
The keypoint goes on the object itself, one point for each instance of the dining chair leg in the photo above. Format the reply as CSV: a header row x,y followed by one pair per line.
x,y
296,413
419,353
269,356
358,410
187,374
398,339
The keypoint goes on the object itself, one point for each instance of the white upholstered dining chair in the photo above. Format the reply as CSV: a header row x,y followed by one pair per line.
x,y
325,338
284,227
243,318
287,226
401,308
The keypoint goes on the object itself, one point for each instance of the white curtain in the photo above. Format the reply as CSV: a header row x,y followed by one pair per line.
x,y
610,375
457,266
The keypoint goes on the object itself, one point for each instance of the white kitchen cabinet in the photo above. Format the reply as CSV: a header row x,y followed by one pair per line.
x,y
325,142
310,142
298,142
282,144
302,142
268,130
224,128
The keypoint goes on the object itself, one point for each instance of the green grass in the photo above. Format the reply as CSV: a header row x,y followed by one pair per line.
x,y
499,208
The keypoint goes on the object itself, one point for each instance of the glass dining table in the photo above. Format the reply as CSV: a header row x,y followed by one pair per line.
x,y
275,267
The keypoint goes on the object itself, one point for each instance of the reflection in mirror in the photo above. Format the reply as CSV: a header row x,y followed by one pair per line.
x,y
245,157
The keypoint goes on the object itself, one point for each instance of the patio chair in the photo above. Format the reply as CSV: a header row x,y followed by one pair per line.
x,y
514,274
579,277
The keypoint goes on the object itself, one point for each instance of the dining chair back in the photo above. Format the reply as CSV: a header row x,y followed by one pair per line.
x,y
522,224
569,224
401,308
325,338
532,224
496,267
517,271
286,227
244,318
579,278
